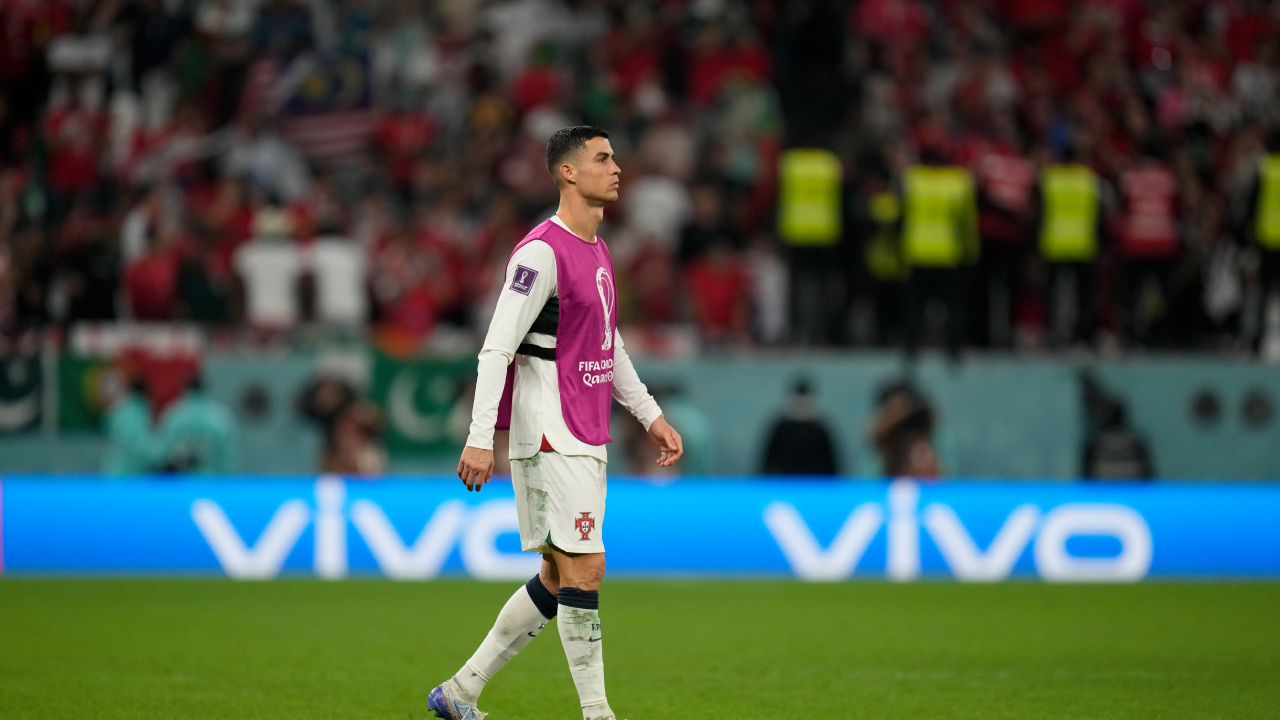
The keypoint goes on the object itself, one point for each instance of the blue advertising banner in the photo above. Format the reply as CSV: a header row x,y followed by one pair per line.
x,y
818,531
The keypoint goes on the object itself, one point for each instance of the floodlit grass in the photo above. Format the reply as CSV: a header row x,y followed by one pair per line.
x,y
182,649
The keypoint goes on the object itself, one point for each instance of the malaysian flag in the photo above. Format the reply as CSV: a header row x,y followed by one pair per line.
x,y
325,102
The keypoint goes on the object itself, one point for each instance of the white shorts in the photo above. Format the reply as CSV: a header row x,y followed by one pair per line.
x,y
560,502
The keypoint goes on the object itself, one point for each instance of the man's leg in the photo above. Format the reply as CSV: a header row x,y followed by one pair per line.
x,y
579,624
520,621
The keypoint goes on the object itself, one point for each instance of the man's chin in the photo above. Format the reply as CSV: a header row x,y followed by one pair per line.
x,y
608,197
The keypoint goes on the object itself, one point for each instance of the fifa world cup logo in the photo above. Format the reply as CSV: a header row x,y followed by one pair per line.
x,y
604,284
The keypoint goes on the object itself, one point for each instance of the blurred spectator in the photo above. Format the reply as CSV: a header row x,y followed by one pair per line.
x,y
352,427
88,269
133,445
1113,451
413,283
653,292
799,442
1005,179
1150,241
340,267
256,150
657,207
270,266
719,287
902,433
356,447
75,131
151,281
198,434
706,225
768,274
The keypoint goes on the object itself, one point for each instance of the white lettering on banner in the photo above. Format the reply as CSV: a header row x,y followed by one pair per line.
x,y
967,562
480,553
424,560
480,556
806,556
268,554
903,561
1055,564
593,366
331,529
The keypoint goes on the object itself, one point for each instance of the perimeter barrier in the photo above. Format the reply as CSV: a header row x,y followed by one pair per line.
x,y
404,529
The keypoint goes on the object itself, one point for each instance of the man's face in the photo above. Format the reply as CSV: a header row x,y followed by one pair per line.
x,y
594,173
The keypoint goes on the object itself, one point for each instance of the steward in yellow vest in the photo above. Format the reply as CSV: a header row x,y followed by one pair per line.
x,y
882,266
809,202
1266,224
810,222
1070,209
940,222
883,254
940,244
1069,213
1263,224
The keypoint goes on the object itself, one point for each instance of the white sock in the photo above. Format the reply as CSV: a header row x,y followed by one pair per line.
x,y
580,634
519,622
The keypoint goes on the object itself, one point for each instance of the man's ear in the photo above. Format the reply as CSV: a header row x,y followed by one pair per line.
x,y
568,173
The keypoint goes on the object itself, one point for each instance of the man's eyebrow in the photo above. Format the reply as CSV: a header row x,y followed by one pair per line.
x,y
603,154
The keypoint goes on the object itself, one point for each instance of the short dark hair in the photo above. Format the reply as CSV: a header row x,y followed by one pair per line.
x,y
567,141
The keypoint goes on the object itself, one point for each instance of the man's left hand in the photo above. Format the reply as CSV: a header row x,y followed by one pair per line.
x,y
668,441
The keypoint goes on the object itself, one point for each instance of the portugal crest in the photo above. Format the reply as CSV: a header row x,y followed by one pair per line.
x,y
584,524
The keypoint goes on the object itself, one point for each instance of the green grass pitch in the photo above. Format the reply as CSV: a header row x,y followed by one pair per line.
x,y
191,649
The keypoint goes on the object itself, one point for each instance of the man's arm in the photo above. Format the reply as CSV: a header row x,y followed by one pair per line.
x,y
529,282
635,397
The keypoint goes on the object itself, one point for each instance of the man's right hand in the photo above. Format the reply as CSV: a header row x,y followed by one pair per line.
x,y
475,468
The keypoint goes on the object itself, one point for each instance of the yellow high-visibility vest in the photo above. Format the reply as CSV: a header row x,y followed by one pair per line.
x,y
883,254
940,222
1069,227
809,184
1268,223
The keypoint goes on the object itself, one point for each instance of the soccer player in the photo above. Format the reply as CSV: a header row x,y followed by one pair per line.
x,y
554,338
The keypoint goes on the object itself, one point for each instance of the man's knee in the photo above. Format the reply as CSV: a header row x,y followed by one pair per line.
x,y
582,571
549,573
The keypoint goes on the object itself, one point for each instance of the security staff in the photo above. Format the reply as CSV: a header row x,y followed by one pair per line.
x,y
1262,226
810,222
1070,237
883,267
939,243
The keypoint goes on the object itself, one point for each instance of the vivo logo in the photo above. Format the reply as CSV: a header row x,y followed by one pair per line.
x,y
476,529
968,563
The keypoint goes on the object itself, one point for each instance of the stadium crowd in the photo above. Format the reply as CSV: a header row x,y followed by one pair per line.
x,y
367,165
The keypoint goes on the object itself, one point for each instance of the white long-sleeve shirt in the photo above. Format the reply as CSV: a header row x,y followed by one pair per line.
x,y
535,404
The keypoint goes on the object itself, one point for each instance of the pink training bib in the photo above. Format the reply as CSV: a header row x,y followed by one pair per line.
x,y
584,337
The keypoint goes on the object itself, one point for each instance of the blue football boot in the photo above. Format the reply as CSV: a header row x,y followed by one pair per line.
x,y
446,706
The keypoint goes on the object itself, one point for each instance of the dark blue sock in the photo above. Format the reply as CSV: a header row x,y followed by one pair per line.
x,y
582,599
542,597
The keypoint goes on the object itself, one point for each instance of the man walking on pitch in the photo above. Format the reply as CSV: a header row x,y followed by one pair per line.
x,y
554,337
